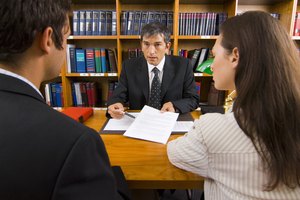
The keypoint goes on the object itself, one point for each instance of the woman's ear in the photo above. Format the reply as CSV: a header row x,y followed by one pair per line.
x,y
235,57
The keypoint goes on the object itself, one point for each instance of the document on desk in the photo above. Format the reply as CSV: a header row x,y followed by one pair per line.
x,y
152,125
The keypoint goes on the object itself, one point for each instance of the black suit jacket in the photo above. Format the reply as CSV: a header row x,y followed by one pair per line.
x,y
47,155
178,84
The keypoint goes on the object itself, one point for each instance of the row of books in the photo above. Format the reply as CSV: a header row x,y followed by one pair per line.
x,y
133,21
297,24
84,94
91,60
94,22
200,23
197,56
54,94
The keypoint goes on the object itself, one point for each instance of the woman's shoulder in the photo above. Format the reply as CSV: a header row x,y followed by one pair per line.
x,y
222,133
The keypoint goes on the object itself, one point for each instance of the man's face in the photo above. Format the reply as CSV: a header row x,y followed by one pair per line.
x,y
154,48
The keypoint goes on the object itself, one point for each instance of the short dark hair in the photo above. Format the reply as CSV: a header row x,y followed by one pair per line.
x,y
155,28
21,20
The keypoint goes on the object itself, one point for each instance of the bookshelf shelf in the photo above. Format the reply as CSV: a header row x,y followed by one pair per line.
x,y
92,75
92,37
121,43
296,37
197,37
130,37
202,74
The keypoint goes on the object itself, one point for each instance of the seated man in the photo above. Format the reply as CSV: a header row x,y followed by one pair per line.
x,y
156,79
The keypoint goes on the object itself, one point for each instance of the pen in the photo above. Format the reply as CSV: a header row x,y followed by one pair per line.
x,y
129,115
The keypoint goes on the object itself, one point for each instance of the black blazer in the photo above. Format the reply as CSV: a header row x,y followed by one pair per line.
x,y
178,84
47,155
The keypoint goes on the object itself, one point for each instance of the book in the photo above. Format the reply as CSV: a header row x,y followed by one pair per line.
x,y
75,22
80,60
95,22
88,22
78,113
81,22
114,23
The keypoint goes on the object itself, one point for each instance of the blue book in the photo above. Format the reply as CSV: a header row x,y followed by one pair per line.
x,y
124,15
75,22
114,23
102,22
103,60
81,22
88,22
108,30
80,60
95,22
137,22
53,94
59,98
170,21
74,95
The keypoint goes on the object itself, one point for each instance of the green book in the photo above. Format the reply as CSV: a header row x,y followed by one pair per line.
x,y
205,66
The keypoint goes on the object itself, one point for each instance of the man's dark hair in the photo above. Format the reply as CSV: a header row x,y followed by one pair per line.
x,y
21,20
155,28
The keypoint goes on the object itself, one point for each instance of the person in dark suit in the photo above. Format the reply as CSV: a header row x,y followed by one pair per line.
x,y
176,84
43,153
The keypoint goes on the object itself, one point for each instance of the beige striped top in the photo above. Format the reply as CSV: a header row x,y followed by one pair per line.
x,y
216,148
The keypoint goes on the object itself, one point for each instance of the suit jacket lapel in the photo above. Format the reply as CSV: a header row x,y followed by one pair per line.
x,y
167,76
14,85
143,78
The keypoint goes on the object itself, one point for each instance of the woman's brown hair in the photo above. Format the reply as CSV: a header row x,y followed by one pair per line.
x,y
267,107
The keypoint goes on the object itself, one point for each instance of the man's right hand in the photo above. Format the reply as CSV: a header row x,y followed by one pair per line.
x,y
116,110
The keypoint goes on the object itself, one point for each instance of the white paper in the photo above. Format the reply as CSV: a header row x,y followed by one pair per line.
x,y
120,124
153,125
182,126
124,123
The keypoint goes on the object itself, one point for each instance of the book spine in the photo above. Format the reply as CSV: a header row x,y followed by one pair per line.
x,y
75,22
80,61
90,60
95,22
88,22
114,23
108,30
81,22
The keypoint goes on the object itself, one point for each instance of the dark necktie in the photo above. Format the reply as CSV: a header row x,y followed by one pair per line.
x,y
155,99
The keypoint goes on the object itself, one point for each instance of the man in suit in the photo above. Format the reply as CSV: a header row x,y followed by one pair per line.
x,y
43,153
175,89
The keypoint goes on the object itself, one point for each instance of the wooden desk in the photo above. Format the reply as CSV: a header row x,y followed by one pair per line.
x,y
145,164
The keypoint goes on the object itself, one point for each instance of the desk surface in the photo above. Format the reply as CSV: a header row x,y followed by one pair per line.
x,y
145,164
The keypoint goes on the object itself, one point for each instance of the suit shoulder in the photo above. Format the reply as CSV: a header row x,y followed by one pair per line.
x,y
133,62
178,59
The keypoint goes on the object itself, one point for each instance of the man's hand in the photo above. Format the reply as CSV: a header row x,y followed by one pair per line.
x,y
116,110
168,107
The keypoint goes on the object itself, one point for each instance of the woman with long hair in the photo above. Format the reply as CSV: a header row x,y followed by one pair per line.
x,y
253,150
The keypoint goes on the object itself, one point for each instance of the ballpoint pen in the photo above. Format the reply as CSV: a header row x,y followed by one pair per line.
x,y
129,115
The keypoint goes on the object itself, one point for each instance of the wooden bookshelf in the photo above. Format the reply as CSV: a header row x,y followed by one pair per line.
x,y
286,9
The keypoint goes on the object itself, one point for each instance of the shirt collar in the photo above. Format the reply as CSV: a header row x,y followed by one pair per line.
x,y
160,66
9,73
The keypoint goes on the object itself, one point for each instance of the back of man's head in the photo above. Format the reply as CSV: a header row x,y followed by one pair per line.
x,y
155,28
21,21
